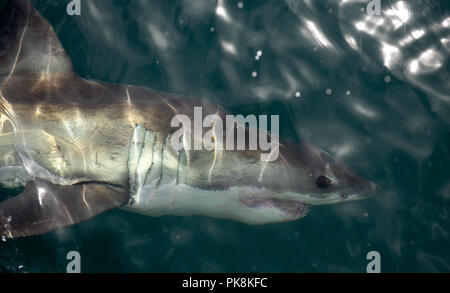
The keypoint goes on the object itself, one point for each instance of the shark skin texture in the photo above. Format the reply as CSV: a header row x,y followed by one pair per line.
x,y
82,147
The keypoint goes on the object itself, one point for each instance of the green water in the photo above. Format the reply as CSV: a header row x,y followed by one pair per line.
x,y
359,104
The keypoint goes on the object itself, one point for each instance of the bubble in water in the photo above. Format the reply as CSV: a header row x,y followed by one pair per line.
x,y
387,79
258,55
254,74
298,94
348,93
240,5
3,238
212,29
329,91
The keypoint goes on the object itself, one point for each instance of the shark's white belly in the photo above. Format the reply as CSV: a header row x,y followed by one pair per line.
x,y
184,200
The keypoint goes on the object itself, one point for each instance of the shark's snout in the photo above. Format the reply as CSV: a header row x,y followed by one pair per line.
x,y
357,186
349,184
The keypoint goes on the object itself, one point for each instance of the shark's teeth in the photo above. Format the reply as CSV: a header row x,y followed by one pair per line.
x,y
296,209
292,208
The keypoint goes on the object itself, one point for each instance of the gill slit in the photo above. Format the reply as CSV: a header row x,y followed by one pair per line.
x,y
153,158
137,178
178,168
163,149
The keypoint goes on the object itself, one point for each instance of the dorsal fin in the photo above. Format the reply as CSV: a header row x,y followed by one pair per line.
x,y
28,44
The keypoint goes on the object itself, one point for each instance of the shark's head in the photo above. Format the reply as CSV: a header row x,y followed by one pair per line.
x,y
284,190
324,180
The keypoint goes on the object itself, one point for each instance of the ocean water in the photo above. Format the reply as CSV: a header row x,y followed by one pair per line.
x,y
372,90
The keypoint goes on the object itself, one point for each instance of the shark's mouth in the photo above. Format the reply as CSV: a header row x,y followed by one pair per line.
x,y
292,208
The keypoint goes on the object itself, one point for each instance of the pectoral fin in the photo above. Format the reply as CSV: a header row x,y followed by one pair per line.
x,y
43,206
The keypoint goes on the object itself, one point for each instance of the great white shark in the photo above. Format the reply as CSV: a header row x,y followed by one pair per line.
x,y
83,147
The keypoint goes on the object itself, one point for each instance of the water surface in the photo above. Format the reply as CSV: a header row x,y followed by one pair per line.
x,y
371,90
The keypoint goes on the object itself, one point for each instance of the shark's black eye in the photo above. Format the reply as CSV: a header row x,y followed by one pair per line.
x,y
323,182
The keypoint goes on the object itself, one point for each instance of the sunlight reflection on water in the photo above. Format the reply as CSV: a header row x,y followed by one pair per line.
x,y
371,90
